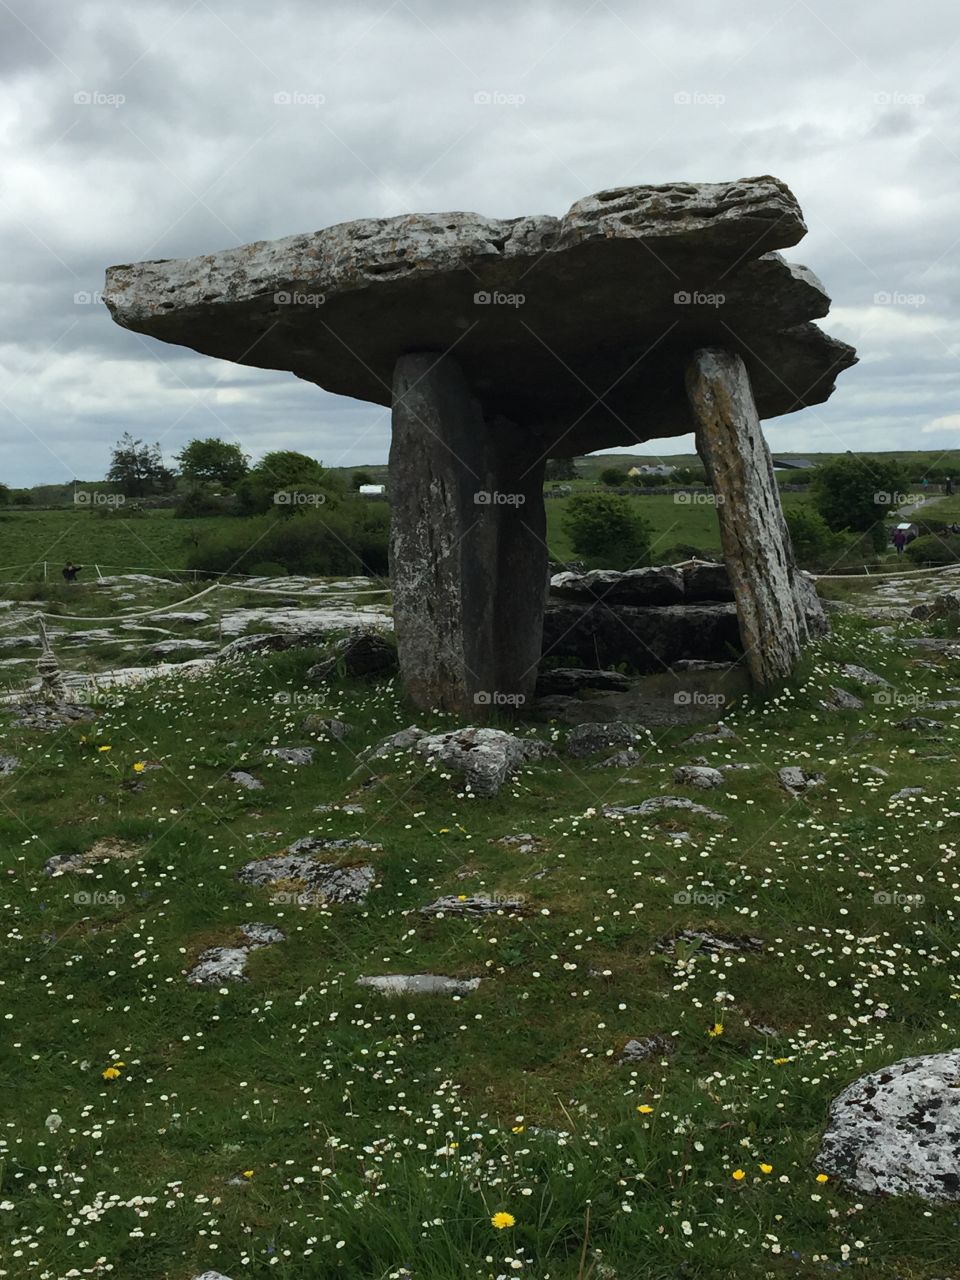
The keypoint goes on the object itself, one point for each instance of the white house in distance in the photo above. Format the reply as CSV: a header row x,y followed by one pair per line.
x,y
654,469
372,491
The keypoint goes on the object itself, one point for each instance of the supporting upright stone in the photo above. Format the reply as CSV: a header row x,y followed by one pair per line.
x,y
753,532
467,545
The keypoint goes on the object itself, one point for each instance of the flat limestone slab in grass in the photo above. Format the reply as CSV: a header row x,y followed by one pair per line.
x,y
419,984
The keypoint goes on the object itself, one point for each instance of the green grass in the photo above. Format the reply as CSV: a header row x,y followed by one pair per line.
x,y
381,1135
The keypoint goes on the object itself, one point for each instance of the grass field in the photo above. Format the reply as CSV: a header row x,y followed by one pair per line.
x,y
297,1125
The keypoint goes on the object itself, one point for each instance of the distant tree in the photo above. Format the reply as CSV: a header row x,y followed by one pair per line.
x,y
613,477
23,498
4,495
811,536
137,469
856,493
213,462
561,469
361,477
605,529
288,482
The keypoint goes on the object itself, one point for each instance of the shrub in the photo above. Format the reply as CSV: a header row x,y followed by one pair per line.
x,y
856,493
613,477
198,501
606,530
349,539
814,545
934,549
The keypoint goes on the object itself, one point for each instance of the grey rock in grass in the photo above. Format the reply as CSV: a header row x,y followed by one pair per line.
x,y
218,965
522,843
361,653
625,759
906,792
588,739
696,775
7,765
270,642
565,681
419,984
912,724
245,780
349,809
711,941
649,586
213,1275
323,881
797,780
474,905
661,804
179,644
874,771
706,737
329,726
486,757
705,580
393,744
105,850
52,715
290,755
863,676
324,844
896,1131
191,619
648,1047
839,699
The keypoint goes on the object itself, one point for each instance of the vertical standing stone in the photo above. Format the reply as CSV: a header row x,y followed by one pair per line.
x,y
753,532
467,545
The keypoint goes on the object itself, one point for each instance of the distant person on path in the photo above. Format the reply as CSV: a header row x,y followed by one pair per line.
x,y
70,571
948,487
899,540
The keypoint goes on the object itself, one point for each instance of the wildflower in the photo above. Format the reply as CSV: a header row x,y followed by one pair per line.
x,y
104,748
766,1168
248,1173
139,766
738,1175
778,1062
644,1109
502,1220
111,1073
518,1128
716,1029
444,831
823,1177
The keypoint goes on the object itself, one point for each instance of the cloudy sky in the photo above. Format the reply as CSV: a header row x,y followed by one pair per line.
x,y
154,130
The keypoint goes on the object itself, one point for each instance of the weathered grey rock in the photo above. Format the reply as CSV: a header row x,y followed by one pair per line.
x,y
419,984
906,792
270,642
588,739
716,733
753,532
321,881
650,638
648,1047
191,619
486,757
570,680
7,765
702,776
855,672
796,780
478,904
649,586
41,715
626,759
703,580
874,770
329,726
323,844
392,745
105,850
711,941
290,755
349,809
218,965
361,653
912,724
896,1131
179,644
944,605
522,843
838,699
661,804
245,780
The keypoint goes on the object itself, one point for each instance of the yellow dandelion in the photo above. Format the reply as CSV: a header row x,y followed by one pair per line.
x,y
104,748
716,1029
111,1073
738,1175
644,1109
502,1220
518,1128
139,766
444,831
461,897
248,1173
766,1168
778,1062
823,1177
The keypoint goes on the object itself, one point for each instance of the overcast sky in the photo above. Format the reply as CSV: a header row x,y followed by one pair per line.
x,y
153,130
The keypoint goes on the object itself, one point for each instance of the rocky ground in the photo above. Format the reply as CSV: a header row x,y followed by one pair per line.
x,y
299,982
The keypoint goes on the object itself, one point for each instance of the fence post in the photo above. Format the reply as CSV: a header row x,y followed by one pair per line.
x,y
44,570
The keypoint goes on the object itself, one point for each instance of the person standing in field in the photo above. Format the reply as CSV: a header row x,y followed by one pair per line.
x,y
70,571
899,540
